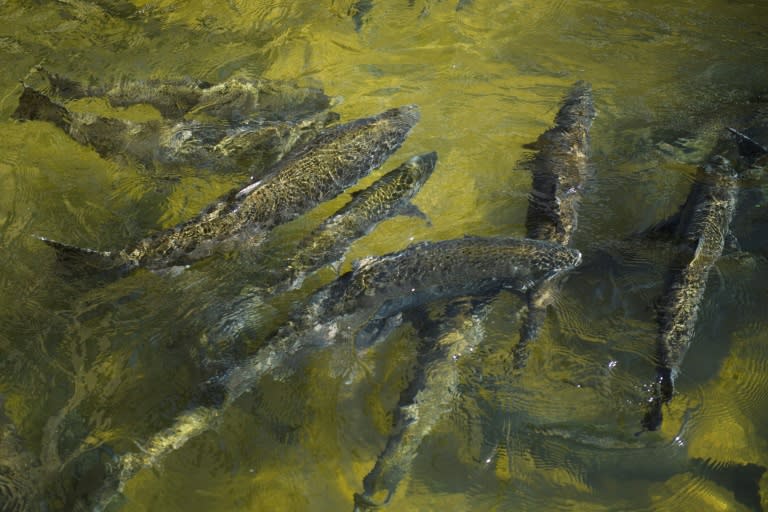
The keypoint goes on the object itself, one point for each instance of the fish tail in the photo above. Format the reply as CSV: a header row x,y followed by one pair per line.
x,y
34,106
83,259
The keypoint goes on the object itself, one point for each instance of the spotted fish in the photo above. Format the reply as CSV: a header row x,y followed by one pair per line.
x,y
560,169
430,395
389,195
233,100
255,144
341,312
307,176
700,227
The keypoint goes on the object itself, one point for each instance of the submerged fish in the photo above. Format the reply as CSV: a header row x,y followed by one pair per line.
x,y
388,196
701,227
342,312
233,100
356,306
256,143
560,170
307,176
430,394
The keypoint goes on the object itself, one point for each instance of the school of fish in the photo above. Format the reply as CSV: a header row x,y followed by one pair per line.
x,y
298,155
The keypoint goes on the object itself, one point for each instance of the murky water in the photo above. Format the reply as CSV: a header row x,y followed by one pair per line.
x,y
91,369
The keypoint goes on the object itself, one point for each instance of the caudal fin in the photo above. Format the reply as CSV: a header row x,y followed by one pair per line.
x,y
84,260
36,106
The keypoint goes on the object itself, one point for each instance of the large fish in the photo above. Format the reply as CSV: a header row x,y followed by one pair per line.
x,y
389,195
234,100
701,227
342,312
327,244
430,395
307,176
560,170
255,144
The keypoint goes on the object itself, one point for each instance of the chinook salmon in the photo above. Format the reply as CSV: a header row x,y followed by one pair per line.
x,y
341,313
701,227
255,144
307,176
233,100
429,396
560,170
388,196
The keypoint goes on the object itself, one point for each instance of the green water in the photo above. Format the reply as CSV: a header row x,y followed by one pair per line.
x,y
117,362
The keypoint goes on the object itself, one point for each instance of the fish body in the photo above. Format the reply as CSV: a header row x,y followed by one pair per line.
x,y
233,100
430,395
388,196
354,308
560,170
429,271
255,143
307,176
339,311
701,227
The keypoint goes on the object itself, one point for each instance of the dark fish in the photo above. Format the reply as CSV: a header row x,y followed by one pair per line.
x,y
340,313
390,195
233,100
256,143
429,396
701,227
306,177
560,169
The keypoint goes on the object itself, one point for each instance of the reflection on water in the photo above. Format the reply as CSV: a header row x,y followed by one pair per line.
x,y
90,369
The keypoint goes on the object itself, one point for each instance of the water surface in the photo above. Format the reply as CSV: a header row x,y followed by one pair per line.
x,y
111,363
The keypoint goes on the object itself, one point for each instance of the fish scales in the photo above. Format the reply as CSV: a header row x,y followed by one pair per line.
x,y
560,170
306,177
429,270
339,311
389,195
232,100
213,145
701,226
429,396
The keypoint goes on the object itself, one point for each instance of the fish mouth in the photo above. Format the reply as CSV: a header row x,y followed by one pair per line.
x,y
577,257
409,114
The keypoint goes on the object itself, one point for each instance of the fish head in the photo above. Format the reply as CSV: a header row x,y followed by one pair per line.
x,y
399,120
553,259
417,170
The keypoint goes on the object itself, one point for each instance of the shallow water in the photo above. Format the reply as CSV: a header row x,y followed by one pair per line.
x,y
110,364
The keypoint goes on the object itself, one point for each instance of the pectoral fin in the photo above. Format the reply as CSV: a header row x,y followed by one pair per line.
x,y
662,230
411,210
748,147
